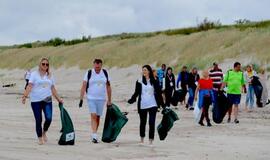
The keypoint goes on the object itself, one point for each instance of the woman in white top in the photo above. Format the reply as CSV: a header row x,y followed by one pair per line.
x,y
249,73
41,87
150,98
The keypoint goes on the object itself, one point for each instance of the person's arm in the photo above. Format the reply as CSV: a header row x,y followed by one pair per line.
x,y
135,95
109,93
225,81
196,92
55,94
26,92
83,90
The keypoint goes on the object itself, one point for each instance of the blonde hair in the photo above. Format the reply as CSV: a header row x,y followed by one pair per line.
x,y
205,74
48,70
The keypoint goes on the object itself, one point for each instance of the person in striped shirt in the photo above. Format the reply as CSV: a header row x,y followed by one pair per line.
x,y
216,75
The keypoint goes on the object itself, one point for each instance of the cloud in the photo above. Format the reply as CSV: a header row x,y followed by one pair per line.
x,y
31,20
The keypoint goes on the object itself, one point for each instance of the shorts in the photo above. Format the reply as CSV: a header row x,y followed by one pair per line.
x,y
96,106
234,98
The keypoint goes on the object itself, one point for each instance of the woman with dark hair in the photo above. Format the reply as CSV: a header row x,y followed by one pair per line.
x,y
150,98
169,86
41,88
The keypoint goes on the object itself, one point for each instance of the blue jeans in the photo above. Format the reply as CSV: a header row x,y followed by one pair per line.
x,y
250,96
37,108
191,97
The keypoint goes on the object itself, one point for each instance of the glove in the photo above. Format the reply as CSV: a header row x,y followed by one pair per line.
x,y
81,103
130,101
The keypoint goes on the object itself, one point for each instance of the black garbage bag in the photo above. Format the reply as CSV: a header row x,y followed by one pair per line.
x,y
169,117
68,134
221,107
178,96
114,122
258,89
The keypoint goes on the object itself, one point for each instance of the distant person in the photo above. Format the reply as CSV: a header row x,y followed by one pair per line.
x,y
148,92
41,88
27,77
263,79
206,96
193,79
161,74
249,73
183,80
96,85
235,81
169,86
216,75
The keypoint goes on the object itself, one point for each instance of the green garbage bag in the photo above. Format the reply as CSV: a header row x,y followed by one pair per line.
x,y
169,117
114,122
68,134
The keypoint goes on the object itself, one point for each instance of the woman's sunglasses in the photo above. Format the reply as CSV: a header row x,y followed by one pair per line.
x,y
45,64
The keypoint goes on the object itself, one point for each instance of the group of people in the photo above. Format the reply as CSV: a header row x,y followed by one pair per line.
x,y
154,90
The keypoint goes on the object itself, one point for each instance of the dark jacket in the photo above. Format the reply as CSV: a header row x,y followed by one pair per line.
x,y
168,86
138,93
192,79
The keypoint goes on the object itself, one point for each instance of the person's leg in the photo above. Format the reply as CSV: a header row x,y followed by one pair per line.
x,y
100,106
252,94
47,109
206,115
191,97
143,118
37,110
230,97
167,98
152,121
237,101
93,119
247,99
202,117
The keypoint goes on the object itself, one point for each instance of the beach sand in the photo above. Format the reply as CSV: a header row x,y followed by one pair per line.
x,y
248,140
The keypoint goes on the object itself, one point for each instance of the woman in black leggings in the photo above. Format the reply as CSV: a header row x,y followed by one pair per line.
x,y
150,98
169,86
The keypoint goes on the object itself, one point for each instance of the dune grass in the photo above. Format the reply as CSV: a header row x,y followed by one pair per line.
x,y
199,49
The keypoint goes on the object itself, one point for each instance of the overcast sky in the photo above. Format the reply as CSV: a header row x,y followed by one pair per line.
x,y
24,21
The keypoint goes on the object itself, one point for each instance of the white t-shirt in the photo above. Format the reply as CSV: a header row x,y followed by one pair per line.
x,y
97,89
42,86
148,97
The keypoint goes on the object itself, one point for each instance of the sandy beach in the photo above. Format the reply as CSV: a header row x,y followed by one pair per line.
x,y
248,140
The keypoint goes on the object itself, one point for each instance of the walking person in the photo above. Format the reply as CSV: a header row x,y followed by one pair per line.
x,y
263,79
193,79
169,86
148,92
235,81
161,74
206,96
249,73
216,75
27,77
96,85
41,88
183,80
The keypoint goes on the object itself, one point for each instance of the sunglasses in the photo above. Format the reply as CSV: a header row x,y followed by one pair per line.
x,y
45,64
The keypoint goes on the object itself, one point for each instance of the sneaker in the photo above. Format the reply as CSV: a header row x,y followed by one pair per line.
x,y
201,123
209,124
191,108
229,120
94,140
187,106
236,121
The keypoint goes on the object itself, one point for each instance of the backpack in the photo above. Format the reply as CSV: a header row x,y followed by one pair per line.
x,y
89,76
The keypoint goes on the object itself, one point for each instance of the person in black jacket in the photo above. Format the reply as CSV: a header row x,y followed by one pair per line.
x,y
169,86
149,99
